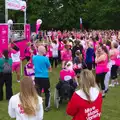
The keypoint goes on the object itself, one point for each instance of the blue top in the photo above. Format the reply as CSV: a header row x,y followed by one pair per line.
x,y
89,55
41,64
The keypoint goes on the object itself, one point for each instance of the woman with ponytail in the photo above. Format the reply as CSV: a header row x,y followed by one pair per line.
x,y
15,55
26,105
86,103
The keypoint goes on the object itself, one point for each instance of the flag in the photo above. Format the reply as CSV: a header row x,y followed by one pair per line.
x,y
80,23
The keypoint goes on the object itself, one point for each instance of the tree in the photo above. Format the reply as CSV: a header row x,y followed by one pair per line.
x,y
65,14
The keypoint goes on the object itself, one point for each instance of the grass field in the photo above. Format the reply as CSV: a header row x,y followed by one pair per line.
x,y
110,110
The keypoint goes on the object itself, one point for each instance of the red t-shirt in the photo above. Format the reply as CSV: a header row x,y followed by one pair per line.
x,y
82,109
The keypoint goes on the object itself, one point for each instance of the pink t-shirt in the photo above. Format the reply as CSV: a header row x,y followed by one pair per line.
x,y
49,51
102,66
78,36
66,55
115,58
67,74
61,46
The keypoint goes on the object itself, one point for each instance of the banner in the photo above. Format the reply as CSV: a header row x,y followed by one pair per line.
x,y
37,28
3,37
27,32
38,24
16,5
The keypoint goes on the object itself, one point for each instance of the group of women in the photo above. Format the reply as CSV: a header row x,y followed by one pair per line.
x,y
95,56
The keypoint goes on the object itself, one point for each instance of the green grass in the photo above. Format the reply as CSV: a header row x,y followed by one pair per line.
x,y
110,110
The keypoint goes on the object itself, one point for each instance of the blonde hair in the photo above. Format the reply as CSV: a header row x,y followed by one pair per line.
x,y
87,81
28,97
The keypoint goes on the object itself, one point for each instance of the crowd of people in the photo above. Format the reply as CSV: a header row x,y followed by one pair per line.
x,y
89,58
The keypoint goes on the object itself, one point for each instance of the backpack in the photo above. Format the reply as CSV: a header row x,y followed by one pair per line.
x,y
6,67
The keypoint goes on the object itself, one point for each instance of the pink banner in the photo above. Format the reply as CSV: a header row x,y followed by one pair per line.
x,y
22,45
3,37
37,28
27,32
16,5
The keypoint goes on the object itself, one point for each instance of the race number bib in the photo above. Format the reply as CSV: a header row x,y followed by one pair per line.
x,y
67,78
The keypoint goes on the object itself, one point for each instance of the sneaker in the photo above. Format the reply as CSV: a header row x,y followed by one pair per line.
x,y
18,81
47,109
106,91
103,95
117,83
111,85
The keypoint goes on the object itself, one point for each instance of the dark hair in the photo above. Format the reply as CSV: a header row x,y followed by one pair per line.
x,y
115,45
105,49
77,42
73,37
16,48
65,41
54,41
60,39
101,45
97,38
81,38
5,53
108,43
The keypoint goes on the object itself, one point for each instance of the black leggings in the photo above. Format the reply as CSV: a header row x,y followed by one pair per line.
x,y
54,59
7,80
59,57
114,71
100,80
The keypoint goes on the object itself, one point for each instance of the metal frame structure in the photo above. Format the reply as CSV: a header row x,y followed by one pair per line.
x,y
6,13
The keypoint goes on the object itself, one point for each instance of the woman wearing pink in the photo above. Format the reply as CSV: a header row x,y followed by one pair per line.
x,y
27,52
68,76
60,48
30,51
49,52
101,67
114,56
68,73
66,55
15,55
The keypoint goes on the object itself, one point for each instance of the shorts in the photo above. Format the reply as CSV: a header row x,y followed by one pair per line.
x,y
42,83
16,67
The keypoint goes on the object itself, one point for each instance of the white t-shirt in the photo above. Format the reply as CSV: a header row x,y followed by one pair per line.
x,y
83,43
55,50
119,48
15,110
15,56
114,38
49,33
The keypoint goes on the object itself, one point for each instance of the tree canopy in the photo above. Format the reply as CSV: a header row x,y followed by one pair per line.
x,y
65,14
